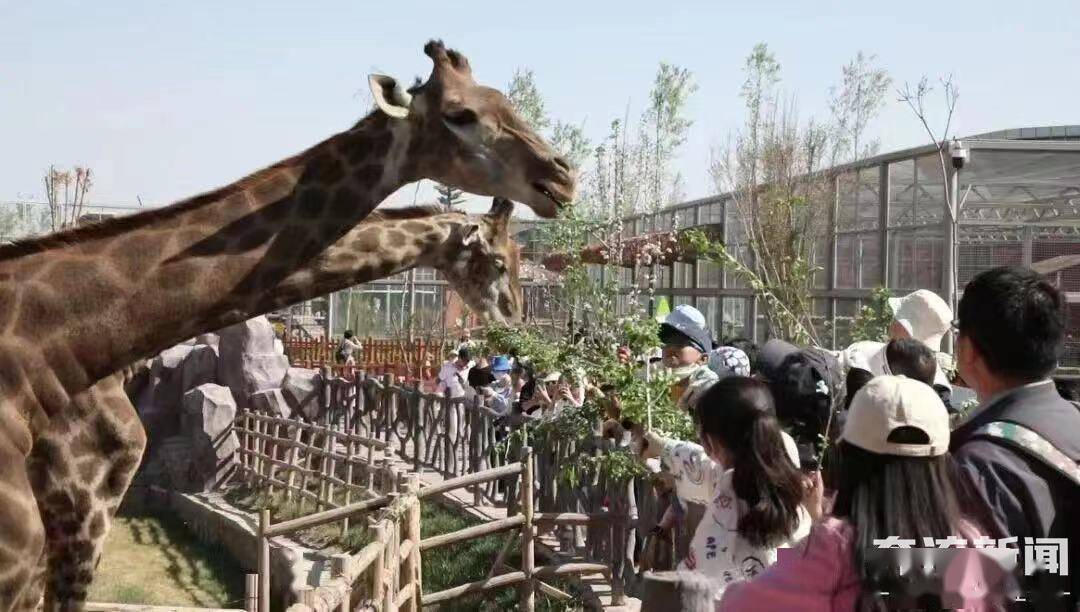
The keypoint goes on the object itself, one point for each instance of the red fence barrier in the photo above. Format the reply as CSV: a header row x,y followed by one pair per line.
x,y
418,359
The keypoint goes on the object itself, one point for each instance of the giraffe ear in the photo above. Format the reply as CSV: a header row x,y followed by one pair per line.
x,y
500,212
389,96
473,235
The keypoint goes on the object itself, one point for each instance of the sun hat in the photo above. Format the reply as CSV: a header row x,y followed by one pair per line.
x,y
690,323
552,377
924,315
500,363
729,361
887,403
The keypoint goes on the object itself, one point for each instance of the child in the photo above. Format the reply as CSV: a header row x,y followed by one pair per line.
x,y
894,481
745,473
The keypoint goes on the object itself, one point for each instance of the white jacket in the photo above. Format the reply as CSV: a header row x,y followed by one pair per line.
x,y
870,356
717,550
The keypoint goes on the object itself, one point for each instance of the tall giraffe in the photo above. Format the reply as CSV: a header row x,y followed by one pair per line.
x,y
79,305
102,437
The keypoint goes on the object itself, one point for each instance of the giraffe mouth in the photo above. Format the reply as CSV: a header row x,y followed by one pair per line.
x,y
547,193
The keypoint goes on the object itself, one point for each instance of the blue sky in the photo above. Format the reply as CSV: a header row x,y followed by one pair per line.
x,y
169,99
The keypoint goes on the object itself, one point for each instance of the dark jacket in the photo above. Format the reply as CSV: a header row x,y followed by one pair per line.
x,y
1026,497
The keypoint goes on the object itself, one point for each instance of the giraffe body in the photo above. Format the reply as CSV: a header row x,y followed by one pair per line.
x,y
78,306
82,465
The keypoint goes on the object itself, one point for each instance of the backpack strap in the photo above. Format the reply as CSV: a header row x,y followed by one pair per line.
x,y
1035,445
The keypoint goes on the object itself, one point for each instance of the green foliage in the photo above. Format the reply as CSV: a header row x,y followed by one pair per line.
x,y
526,99
872,322
789,307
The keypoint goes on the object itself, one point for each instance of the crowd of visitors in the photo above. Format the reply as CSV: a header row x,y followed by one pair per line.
x,y
818,469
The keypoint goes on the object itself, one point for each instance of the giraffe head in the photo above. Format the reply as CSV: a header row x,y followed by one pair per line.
x,y
469,136
482,264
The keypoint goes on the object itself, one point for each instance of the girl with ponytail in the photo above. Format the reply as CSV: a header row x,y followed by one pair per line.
x,y
746,472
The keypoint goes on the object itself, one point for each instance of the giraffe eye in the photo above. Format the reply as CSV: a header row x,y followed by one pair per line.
x,y
461,117
500,265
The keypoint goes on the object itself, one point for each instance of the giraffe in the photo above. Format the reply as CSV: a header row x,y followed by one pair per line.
x,y
476,255
77,306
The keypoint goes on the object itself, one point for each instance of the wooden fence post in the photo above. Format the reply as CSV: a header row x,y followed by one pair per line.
x,y
264,561
476,446
388,406
378,573
251,593
349,460
415,409
338,563
528,562
412,564
294,450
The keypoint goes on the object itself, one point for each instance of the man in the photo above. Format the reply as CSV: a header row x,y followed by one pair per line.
x,y
454,374
499,394
1019,449
920,315
687,342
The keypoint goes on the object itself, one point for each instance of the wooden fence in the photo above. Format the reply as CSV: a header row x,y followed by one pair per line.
x,y
386,574
324,467
595,517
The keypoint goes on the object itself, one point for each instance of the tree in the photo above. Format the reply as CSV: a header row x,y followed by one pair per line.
x,y
872,322
780,191
526,99
665,127
449,196
916,101
66,192
856,101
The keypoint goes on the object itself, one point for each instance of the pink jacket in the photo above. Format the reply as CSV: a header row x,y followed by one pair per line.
x,y
818,574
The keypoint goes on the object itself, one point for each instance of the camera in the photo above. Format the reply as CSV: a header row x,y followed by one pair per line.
x,y
959,153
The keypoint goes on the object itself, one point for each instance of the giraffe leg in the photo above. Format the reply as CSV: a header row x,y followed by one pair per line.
x,y
22,537
80,469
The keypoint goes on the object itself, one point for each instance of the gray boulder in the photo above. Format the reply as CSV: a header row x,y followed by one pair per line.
x,y
207,420
171,466
252,337
247,360
253,373
208,409
167,377
200,367
301,389
270,402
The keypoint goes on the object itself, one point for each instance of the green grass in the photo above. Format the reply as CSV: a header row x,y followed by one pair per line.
x,y
457,564
155,560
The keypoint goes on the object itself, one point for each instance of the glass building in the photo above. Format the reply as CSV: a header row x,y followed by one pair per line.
x,y
1019,203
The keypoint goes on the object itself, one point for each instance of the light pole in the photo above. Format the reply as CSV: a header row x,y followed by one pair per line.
x,y
958,153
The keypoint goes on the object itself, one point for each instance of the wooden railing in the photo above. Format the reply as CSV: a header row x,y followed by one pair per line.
x,y
308,462
599,518
386,574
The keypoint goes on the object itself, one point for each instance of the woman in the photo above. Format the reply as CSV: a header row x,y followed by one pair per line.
x,y
893,480
747,475
348,348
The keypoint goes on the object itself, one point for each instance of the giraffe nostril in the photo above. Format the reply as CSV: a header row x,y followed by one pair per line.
x,y
562,164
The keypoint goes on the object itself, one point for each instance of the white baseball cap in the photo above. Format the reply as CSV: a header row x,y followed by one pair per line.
x,y
889,402
924,315
552,377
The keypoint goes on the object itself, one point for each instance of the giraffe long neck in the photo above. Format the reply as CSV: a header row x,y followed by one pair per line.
x,y
89,301
380,246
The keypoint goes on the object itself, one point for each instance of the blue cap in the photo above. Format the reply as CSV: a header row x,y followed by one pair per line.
x,y
690,325
500,363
